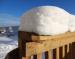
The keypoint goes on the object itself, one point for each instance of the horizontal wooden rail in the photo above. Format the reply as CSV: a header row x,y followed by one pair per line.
x,y
35,37
33,48
60,36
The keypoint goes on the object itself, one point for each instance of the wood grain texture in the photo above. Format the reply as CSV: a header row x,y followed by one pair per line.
x,y
57,53
38,56
26,57
32,44
35,47
30,36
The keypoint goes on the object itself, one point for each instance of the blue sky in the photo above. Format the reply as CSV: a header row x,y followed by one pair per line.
x,y
18,7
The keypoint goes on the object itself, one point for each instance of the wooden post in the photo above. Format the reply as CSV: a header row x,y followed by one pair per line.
x,y
22,44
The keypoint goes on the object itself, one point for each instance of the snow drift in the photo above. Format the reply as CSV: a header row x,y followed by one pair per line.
x,y
45,20
6,45
72,23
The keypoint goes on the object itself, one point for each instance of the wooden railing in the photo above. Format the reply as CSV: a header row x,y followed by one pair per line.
x,y
33,46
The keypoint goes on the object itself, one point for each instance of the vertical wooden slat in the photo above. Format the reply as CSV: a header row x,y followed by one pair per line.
x,y
68,52
48,54
60,52
54,53
34,56
70,49
63,50
57,53
38,56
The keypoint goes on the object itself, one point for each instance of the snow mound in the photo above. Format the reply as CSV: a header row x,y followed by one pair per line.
x,y
45,20
72,23
5,48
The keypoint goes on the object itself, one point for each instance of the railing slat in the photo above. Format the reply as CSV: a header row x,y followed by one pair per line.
x,y
34,56
48,54
63,49
38,56
68,52
57,53
67,48
54,53
70,48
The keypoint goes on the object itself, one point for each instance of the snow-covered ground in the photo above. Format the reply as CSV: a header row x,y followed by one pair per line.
x,y
7,44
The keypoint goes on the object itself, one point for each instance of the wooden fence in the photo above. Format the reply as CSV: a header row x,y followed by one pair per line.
x,y
33,46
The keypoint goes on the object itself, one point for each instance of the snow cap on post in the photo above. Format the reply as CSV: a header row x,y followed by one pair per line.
x,y
45,20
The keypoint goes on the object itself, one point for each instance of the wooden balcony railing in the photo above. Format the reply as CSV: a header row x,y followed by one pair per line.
x,y
33,46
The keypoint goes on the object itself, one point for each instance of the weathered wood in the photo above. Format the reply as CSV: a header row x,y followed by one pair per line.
x,y
63,54
50,56
27,36
23,36
34,56
67,48
38,56
32,44
46,55
26,57
68,54
73,50
35,48
30,36
60,52
54,53
57,53
65,35
70,51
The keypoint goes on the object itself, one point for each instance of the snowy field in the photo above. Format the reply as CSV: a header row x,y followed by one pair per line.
x,y
7,44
